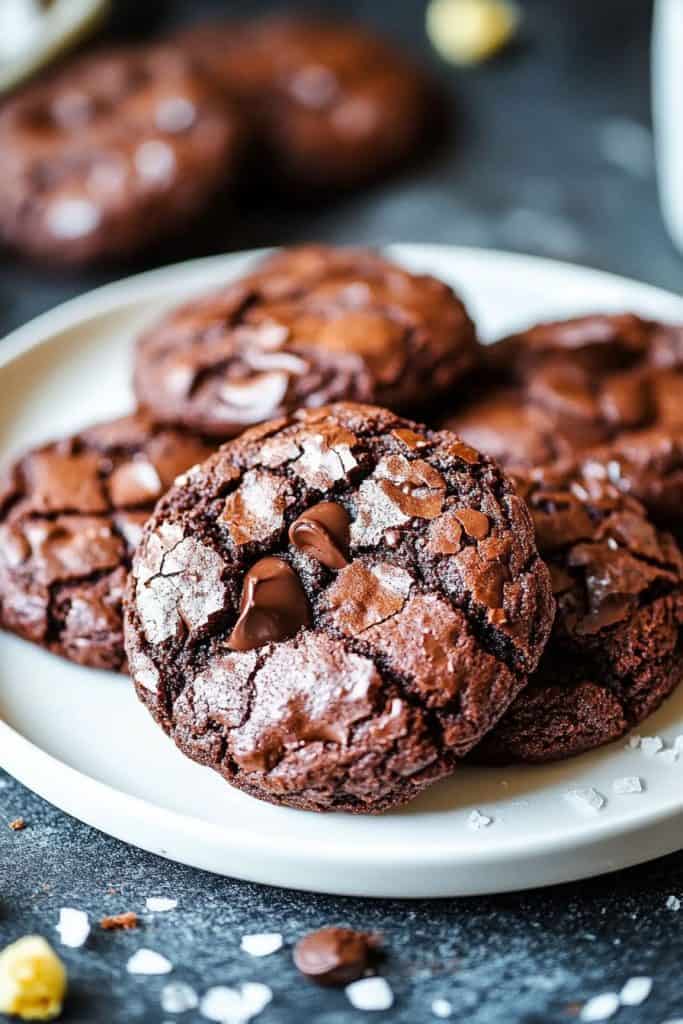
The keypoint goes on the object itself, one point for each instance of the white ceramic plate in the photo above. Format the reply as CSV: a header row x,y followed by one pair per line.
x,y
81,740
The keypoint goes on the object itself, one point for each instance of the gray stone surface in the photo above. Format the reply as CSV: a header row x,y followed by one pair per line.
x,y
551,154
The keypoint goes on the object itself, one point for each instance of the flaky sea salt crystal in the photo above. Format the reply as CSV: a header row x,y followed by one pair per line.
x,y
146,961
633,741
370,994
223,1004
442,1008
669,756
262,944
477,820
586,799
635,991
160,904
178,997
629,784
255,997
651,745
678,744
673,903
73,927
600,1007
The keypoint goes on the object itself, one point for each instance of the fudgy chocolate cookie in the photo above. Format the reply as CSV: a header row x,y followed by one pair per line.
x,y
615,651
335,608
71,514
311,325
114,152
332,104
560,388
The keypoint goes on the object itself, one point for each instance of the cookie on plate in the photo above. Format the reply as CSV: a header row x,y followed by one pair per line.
x,y
615,651
560,388
336,607
311,325
332,104
71,514
117,150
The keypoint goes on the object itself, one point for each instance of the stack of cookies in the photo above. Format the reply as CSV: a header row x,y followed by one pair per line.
x,y
122,148
330,603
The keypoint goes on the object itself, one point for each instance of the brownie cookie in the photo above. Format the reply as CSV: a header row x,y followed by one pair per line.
x,y
311,325
114,152
332,104
71,514
335,608
561,388
615,651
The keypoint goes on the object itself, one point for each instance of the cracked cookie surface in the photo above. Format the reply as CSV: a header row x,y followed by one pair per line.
x,y
336,607
607,387
615,651
311,325
71,514
117,150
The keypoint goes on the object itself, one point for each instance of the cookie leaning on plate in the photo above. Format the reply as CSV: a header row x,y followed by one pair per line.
x,y
116,151
331,104
311,324
71,514
616,650
335,608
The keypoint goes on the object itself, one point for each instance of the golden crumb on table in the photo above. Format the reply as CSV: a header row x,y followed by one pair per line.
x,y
470,31
32,980
18,825
127,920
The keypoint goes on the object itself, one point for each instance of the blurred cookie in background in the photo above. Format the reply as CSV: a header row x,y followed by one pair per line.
x,y
116,151
333,104
311,325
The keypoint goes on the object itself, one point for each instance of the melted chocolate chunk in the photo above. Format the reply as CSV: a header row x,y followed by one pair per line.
x,y
273,606
323,533
335,956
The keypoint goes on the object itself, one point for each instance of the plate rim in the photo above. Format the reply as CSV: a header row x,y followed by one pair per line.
x,y
51,777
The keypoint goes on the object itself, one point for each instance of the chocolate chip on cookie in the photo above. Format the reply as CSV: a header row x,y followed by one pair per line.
x,y
332,105
336,607
71,514
310,325
114,152
615,650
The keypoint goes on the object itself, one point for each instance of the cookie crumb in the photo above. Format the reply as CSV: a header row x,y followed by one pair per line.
x,y
18,825
124,921
261,944
370,994
629,784
32,980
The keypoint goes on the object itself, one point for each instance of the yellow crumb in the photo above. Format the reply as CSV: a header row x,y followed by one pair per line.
x,y
32,980
470,31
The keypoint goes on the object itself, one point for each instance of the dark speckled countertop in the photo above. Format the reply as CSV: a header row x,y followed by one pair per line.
x,y
550,154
